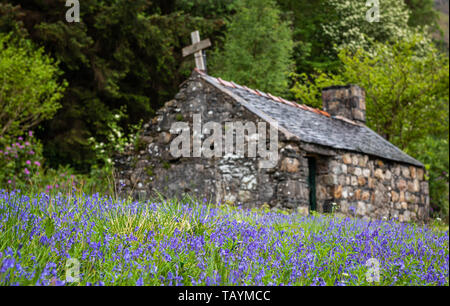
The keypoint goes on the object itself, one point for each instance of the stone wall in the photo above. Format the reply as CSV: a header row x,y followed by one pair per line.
x,y
150,169
371,188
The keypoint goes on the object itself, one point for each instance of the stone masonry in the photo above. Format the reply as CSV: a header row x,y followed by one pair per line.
x,y
368,187
348,182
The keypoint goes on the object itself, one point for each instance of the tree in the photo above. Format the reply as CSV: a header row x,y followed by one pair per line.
x,y
30,90
323,27
407,100
434,153
422,13
347,26
406,90
205,9
307,18
257,48
121,53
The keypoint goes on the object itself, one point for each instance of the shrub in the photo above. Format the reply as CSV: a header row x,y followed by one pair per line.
x,y
114,140
434,153
20,160
30,90
22,166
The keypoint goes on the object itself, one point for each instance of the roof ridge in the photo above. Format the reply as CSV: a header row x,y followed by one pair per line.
x,y
257,92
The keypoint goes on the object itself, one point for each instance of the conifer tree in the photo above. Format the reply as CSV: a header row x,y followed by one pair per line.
x,y
257,48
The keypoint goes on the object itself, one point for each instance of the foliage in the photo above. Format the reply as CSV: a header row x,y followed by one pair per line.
x,y
406,92
257,48
347,27
22,167
323,27
20,161
187,243
406,97
422,13
309,91
126,53
434,153
206,8
30,91
66,180
122,53
116,143
307,18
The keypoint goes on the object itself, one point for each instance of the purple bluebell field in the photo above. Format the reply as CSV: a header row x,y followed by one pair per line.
x,y
119,242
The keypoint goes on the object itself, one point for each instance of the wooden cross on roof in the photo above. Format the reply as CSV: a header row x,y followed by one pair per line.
x,y
197,48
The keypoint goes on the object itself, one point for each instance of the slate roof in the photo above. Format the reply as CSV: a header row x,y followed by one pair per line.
x,y
312,125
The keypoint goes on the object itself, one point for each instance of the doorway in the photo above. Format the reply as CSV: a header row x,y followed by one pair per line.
x,y
312,167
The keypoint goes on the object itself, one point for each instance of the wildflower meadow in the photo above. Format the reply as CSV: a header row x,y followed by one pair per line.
x,y
78,239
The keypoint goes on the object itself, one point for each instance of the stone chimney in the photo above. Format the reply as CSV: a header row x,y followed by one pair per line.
x,y
347,102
